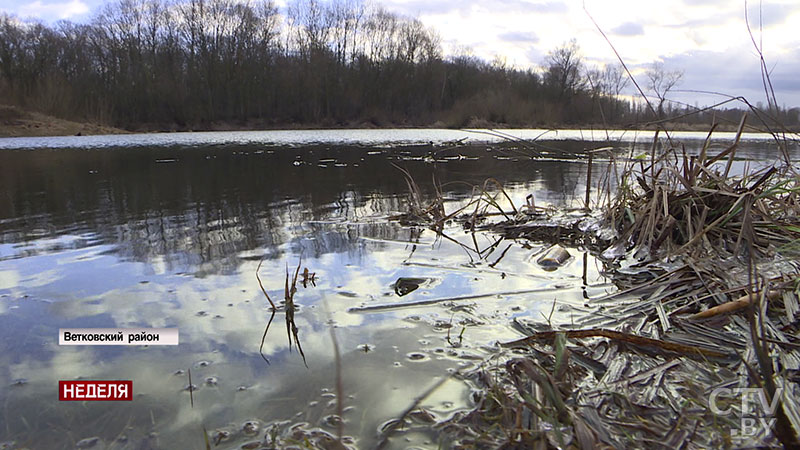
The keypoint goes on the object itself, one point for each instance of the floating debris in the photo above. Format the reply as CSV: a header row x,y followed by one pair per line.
x,y
88,442
553,258
366,348
404,286
332,420
415,356
221,436
309,278
422,416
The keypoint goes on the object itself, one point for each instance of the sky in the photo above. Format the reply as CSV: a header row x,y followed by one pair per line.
x,y
706,39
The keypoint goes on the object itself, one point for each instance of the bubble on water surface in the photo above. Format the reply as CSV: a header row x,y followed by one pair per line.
x,y
251,427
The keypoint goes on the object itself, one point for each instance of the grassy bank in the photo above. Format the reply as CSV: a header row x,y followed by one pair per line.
x,y
17,122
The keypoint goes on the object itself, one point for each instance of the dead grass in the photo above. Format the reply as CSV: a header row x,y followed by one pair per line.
x,y
290,288
708,299
682,205
16,122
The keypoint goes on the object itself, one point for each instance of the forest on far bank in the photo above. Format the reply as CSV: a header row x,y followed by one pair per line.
x,y
189,64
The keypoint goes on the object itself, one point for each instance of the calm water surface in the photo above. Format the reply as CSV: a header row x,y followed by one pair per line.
x,y
167,231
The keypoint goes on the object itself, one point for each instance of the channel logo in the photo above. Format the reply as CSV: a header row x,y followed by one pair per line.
x,y
95,390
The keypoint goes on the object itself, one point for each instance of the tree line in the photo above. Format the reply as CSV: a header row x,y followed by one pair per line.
x,y
190,64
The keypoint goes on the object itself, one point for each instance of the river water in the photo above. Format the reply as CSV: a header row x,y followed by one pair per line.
x,y
167,230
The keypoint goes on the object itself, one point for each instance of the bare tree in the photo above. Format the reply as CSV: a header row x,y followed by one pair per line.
x,y
313,23
614,79
564,73
12,41
380,35
346,17
660,81
596,81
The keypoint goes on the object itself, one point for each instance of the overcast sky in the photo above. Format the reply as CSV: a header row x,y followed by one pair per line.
x,y
706,39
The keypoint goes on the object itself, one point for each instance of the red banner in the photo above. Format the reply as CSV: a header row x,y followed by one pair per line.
x,y
95,390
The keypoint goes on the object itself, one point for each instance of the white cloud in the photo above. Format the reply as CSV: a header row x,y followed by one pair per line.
x,y
629,29
688,36
519,36
53,11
